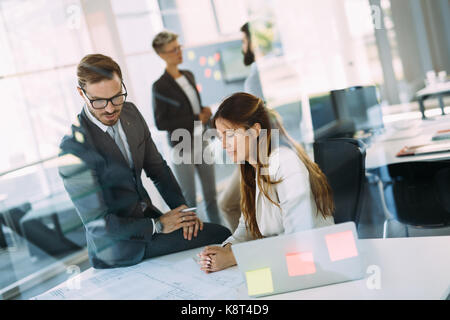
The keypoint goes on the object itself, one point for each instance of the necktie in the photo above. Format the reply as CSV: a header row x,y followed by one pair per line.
x,y
114,133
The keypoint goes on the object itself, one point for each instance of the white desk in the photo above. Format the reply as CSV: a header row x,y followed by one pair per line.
x,y
439,90
410,268
435,89
384,148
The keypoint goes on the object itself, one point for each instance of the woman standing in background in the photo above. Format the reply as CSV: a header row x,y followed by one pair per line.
x,y
176,105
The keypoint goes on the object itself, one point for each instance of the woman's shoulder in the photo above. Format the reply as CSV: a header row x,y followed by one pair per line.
x,y
284,161
283,155
161,82
285,152
165,79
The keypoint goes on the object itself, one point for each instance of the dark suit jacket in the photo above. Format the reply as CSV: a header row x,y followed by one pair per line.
x,y
171,107
108,194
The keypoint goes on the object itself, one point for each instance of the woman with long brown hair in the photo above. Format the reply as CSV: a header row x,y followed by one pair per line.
x,y
282,190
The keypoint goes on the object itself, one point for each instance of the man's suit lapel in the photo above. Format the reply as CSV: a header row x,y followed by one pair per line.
x,y
132,137
103,141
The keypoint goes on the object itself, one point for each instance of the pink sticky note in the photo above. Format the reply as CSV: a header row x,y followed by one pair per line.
x,y
300,263
341,245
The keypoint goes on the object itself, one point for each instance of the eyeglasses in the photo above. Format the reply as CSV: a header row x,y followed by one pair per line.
x,y
117,100
174,50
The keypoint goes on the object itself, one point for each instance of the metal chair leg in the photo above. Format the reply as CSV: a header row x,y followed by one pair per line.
x,y
385,229
3,243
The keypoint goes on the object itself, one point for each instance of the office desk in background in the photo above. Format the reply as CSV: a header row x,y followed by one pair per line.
x,y
383,148
438,90
404,268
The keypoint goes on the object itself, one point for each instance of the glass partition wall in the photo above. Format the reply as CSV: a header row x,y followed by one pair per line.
x,y
304,48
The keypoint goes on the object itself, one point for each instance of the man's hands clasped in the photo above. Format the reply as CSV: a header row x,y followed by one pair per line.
x,y
175,219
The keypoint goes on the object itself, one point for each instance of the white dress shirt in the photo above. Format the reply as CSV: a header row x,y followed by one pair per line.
x,y
190,92
298,208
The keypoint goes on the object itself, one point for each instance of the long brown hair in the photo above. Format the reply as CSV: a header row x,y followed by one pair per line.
x,y
244,110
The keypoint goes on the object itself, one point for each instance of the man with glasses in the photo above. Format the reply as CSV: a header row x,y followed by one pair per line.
x,y
101,165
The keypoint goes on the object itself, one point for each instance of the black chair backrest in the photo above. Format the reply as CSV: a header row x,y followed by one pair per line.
x,y
343,163
14,216
421,192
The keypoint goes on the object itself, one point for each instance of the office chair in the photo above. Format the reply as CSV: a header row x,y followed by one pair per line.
x,y
11,218
45,233
421,195
343,163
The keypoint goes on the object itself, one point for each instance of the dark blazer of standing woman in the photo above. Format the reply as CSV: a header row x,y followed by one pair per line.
x,y
172,108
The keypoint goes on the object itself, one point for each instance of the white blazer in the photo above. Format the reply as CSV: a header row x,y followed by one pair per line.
x,y
298,209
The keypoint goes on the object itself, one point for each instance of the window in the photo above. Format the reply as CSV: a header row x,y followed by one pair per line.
x,y
390,28
41,41
204,22
230,15
41,47
317,57
197,22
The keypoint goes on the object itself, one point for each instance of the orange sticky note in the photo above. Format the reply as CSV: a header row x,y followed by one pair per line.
x,y
341,245
300,263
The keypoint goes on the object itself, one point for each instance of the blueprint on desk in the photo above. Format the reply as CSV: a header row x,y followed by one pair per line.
x,y
151,279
